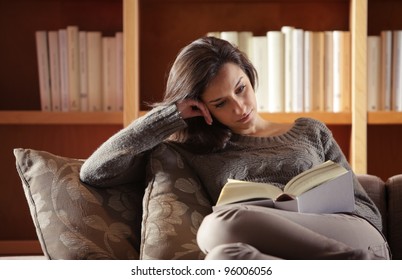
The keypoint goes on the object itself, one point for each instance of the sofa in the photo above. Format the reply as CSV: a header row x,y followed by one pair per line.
x,y
152,219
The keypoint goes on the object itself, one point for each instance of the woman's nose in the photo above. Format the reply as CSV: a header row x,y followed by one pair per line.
x,y
238,107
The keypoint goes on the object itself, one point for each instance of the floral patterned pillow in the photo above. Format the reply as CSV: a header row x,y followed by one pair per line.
x,y
73,220
174,205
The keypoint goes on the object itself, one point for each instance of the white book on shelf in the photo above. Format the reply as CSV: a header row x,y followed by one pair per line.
x,y
109,74
397,70
119,72
42,53
313,71
373,72
328,72
308,71
216,34
386,70
342,64
298,71
244,40
94,55
64,80
259,59
54,70
276,82
73,68
230,36
83,70
288,54
318,68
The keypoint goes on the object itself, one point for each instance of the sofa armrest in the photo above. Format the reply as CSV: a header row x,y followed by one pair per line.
x,y
394,192
375,188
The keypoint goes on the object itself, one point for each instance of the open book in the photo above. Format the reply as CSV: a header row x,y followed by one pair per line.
x,y
325,188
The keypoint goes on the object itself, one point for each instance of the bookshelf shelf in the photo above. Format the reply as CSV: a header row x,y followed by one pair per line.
x,y
326,117
384,118
67,118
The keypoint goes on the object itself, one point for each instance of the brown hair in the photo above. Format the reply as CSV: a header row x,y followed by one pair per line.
x,y
195,67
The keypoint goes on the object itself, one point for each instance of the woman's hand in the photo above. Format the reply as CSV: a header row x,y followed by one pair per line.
x,y
190,108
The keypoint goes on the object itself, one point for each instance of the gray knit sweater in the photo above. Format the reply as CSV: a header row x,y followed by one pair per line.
x,y
276,159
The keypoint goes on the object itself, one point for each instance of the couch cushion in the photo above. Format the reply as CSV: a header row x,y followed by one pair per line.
x,y
75,221
174,205
375,188
394,192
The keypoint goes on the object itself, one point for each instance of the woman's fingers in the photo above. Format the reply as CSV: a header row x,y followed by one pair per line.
x,y
192,108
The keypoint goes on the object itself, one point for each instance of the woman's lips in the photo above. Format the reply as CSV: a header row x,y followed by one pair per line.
x,y
246,118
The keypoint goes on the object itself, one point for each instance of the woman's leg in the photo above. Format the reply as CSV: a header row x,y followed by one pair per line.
x,y
291,235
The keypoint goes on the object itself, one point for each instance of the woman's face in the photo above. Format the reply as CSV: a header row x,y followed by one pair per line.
x,y
231,100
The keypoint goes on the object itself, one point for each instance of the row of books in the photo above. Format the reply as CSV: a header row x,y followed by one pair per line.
x,y
80,70
304,71
384,75
298,70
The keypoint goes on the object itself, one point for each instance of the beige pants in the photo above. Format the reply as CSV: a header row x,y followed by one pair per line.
x,y
253,232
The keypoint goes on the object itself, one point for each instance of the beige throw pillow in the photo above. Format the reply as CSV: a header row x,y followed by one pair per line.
x,y
174,206
73,220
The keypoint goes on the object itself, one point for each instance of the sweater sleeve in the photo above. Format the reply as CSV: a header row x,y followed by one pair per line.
x,y
122,158
365,207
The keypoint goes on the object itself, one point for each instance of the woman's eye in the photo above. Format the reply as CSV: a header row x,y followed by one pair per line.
x,y
220,104
240,89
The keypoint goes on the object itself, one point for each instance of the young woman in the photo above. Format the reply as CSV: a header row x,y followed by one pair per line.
x,y
209,115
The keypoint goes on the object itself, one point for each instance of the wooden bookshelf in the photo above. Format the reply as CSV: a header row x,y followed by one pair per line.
x,y
68,118
154,31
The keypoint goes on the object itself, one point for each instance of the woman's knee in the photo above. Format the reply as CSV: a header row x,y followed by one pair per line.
x,y
220,227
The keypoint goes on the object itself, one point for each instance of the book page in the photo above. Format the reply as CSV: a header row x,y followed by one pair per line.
x,y
237,190
313,177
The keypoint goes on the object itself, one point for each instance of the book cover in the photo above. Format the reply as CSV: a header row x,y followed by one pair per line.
x,y
54,70
216,34
325,188
396,92
94,55
298,70
373,72
119,72
328,72
230,36
342,64
64,79
386,70
83,70
109,74
73,68
308,71
244,39
259,59
288,68
276,79
313,71
43,69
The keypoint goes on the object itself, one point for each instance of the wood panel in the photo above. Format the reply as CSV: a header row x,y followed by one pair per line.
x,y
384,157
167,26
20,248
384,15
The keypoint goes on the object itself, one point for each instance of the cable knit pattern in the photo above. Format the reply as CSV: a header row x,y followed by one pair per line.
x,y
274,159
